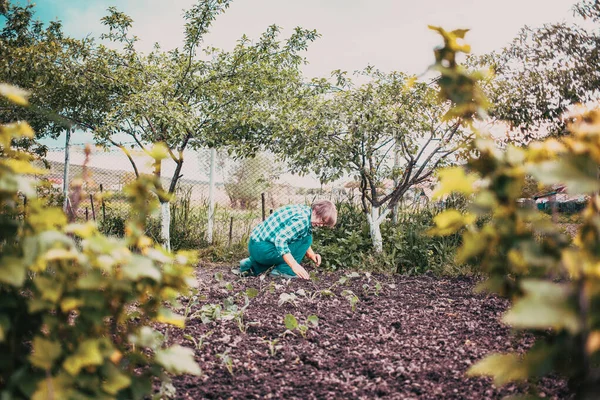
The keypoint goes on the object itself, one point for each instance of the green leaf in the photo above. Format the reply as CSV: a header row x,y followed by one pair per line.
x,y
251,292
504,368
141,267
114,380
87,354
545,305
60,387
147,337
4,327
313,319
178,360
44,352
579,173
93,280
50,289
12,271
290,322
70,303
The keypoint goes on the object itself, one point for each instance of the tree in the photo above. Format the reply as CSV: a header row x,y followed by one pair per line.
x,y
544,71
45,61
357,129
180,100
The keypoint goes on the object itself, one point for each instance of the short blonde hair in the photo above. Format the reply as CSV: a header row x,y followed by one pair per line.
x,y
326,211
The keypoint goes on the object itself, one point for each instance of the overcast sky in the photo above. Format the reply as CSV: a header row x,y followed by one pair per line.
x,y
388,34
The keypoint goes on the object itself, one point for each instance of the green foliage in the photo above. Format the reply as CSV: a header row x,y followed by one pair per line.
x,y
552,282
291,323
76,306
407,249
543,71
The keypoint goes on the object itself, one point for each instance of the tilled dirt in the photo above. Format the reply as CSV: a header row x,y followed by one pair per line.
x,y
407,338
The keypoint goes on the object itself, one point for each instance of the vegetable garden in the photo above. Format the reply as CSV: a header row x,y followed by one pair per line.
x,y
471,297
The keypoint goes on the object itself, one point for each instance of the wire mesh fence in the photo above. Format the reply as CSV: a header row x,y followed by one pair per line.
x,y
244,191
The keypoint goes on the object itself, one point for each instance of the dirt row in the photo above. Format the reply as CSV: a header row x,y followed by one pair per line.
x,y
377,336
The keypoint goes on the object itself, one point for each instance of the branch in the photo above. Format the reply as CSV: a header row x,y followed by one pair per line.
x,y
128,154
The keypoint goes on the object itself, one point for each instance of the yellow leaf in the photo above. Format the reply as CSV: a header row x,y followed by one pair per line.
x,y
88,354
504,368
14,94
23,167
454,180
159,151
82,230
166,316
70,303
60,254
450,221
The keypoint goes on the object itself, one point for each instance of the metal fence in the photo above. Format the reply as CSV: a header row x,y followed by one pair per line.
x,y
244,191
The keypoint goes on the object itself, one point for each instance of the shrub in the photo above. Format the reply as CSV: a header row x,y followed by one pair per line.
x,y
407,249
78,307
553,283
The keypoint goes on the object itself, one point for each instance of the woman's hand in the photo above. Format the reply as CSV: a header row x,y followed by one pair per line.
x,y
317,259
300,271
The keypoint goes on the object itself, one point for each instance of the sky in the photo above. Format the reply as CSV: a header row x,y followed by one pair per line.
x,y
387,34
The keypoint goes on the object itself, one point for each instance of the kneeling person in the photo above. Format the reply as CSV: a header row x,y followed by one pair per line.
x,y
283,239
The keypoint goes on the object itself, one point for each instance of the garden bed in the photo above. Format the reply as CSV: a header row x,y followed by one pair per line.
x,y
407,338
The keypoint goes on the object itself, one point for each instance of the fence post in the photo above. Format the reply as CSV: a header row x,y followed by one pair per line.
x,y
211,197
262,199
93,210
66,172
103,208
230,231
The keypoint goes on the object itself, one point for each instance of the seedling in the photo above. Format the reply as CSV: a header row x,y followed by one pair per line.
x,y
351,297
287,298
251,292
346,278
232,312
273,346
208,313
377,288
226,361
221,280
198,343
327,293
193,301
291,323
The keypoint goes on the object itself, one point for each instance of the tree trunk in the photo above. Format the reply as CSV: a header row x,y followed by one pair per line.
x,y
375,221
165,223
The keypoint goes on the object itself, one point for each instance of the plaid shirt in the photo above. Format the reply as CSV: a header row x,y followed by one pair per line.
x,y
286,224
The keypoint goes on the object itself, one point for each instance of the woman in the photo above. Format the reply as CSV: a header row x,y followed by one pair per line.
x,y
283,239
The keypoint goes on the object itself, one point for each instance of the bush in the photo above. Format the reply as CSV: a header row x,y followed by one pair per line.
x,y
407,249
77,307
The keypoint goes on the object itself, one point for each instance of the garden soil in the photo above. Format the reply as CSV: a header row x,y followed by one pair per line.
x,y
406,338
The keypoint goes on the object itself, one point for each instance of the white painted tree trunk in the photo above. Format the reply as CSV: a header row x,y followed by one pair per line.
x,y
397,155
211,198
165,224
375,220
